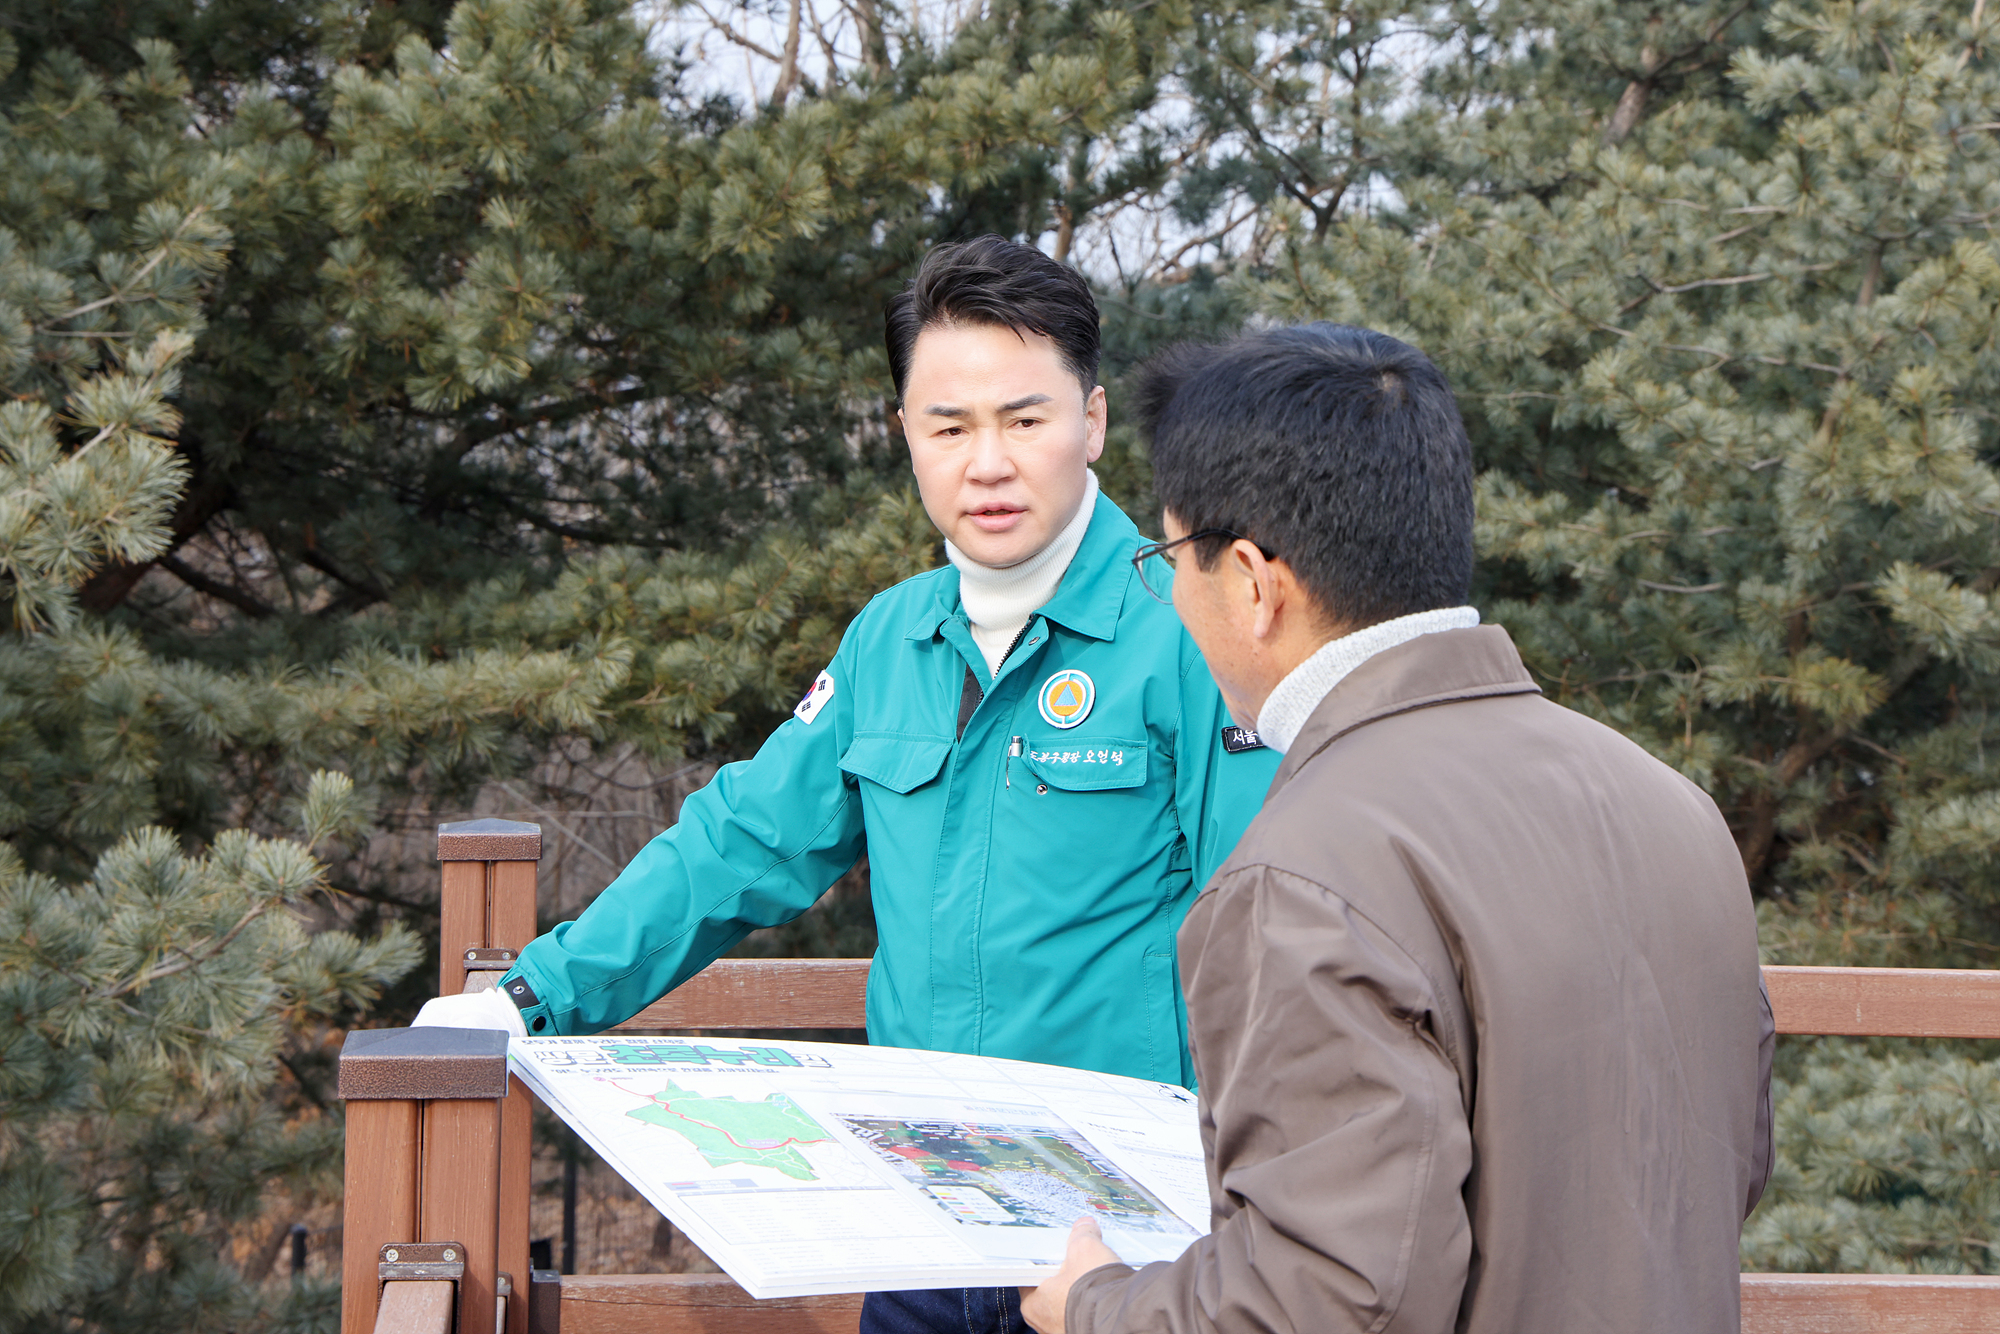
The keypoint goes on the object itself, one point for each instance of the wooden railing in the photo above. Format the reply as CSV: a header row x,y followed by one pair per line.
x,y
436,1156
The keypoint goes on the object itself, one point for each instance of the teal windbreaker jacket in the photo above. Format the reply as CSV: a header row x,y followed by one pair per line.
x,y
1028,875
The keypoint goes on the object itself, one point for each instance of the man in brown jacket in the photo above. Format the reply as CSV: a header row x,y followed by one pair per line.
x,y
1475,1003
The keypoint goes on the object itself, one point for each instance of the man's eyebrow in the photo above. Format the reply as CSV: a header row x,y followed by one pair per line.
x,y
949,410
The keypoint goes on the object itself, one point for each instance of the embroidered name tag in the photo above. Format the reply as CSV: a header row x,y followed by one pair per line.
x,y
1114,756
1088,767
1236,740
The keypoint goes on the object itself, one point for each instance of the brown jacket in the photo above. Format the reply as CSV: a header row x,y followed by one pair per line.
x,y
1481,1035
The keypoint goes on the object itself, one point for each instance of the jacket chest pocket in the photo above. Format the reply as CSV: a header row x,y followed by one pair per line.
x,y
1093,765
902,764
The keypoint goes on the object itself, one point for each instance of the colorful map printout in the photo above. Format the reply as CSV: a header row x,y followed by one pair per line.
x,y
807,1168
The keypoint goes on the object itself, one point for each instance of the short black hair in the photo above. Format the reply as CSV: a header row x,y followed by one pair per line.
x,y
991,280
1339,450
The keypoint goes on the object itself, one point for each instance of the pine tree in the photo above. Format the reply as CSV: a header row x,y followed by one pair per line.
x,y
139,1123
147,1000
505,285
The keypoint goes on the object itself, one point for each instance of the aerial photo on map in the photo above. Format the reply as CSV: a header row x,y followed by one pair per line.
x,y
1022,1174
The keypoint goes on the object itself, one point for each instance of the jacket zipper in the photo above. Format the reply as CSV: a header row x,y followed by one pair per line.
x,y
1016,643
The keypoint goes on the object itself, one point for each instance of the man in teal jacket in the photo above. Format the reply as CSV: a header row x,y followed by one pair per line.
x,y
1026,742
1028,870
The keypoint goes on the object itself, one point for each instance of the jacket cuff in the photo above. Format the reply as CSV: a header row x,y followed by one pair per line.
x,y
526,992
1093,1289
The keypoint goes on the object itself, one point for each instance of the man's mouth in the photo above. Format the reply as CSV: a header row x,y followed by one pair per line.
x,y
996,518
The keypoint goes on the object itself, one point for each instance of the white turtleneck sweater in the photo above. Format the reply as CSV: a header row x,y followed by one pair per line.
x,y
999,602
1292,702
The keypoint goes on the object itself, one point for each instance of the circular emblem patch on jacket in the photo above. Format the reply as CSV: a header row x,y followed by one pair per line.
x,y
1065,698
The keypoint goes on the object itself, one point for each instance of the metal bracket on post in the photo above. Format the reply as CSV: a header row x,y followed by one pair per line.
x,y
422,1260
483,967
488,961
419,1287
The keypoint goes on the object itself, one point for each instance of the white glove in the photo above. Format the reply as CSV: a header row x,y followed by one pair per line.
x,y
474,1009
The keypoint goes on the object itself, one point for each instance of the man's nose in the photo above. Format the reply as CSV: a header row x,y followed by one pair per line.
x,y
991,460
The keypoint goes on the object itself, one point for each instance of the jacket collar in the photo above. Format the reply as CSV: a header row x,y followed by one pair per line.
x,y
1439,668
1089,598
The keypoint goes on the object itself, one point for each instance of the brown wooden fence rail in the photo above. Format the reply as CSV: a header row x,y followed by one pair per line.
x,y
433,1157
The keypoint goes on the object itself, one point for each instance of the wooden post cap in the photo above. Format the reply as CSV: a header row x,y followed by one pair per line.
x,y
423,1063
489,841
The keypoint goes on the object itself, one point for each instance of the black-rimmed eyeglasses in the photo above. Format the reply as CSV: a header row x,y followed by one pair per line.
x,y
1158,575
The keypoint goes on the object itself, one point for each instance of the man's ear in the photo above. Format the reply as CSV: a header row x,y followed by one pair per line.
x,y
1095,414
1264,587
1269,585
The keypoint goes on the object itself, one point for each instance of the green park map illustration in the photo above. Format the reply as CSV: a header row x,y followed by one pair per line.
x,y
730,1132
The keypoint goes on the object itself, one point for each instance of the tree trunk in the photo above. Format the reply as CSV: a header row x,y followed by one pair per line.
x,y
788,68
1632,102
1631,105
874,42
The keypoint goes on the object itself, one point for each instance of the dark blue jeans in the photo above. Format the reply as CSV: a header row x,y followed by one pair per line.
x,y
943,1311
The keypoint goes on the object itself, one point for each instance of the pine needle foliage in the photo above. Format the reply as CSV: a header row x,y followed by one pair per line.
x,y
713,645
1727,378
504,283
145,995
146,1011
1887,1165
95,323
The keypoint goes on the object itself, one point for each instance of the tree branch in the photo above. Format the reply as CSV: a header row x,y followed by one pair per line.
x,y
1756,839
833,76
1965,56
244,602
312,556
119,295
1632,102
874,41
739,38
1659,290
189,959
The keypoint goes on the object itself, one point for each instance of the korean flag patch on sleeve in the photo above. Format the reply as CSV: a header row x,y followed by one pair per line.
x,y
815,699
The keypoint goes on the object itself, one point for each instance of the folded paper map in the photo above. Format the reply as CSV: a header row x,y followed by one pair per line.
x,y
812,1167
